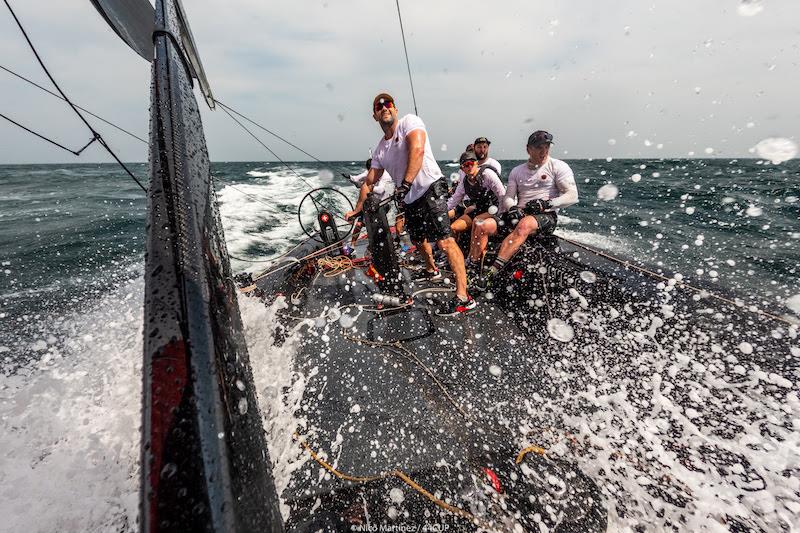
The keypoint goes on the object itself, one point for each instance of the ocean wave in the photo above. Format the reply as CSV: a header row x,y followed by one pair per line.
x,y
258,174
263,217
565,220
69,422
606,242
279,387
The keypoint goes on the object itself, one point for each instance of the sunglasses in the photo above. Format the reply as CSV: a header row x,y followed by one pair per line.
x,y
382,105
468,164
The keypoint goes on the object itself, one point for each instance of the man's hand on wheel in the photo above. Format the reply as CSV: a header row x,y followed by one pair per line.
x,y
401,192
350,215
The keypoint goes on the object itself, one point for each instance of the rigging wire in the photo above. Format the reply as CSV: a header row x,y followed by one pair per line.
x,y
96,136
315,201
98,117
408,64
133,135
267,148
256,124
51,141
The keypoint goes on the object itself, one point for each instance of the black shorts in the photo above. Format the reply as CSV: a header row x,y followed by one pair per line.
x,y
547,223
426,217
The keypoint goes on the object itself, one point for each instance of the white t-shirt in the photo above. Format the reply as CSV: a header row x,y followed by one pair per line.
x,y
384,188
553,180
491,181
494,163
392,156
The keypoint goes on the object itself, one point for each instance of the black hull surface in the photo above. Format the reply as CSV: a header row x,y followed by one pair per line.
x,y
205,465
411,398
403,409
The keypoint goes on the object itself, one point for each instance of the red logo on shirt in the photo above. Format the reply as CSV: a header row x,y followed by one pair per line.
x,y
545,176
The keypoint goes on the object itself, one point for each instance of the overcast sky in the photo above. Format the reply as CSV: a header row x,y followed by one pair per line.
x,y
608,79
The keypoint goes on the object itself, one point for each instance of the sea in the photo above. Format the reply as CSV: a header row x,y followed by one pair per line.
x,y
72,241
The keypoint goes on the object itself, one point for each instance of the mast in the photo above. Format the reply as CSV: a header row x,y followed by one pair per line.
x,y
205,463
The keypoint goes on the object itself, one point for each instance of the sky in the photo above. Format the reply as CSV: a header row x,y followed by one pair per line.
x,y
642,79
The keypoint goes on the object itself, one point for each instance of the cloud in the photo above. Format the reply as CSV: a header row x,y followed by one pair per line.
x,y
308,70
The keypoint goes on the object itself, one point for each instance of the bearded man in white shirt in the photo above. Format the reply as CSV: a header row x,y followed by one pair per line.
x,y
481,149
404,151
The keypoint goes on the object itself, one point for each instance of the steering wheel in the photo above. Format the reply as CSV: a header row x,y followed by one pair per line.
x,y
317,200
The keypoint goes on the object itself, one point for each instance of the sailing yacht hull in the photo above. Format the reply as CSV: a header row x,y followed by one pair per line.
x,y
205,465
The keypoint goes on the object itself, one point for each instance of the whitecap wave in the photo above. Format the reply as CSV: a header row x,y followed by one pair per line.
x,y
263,214
258,174
597,240
565,220
69,423
279,389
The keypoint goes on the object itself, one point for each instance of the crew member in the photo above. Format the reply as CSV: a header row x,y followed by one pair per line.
x,y
481,149
536,190
482,185
405,152
386,188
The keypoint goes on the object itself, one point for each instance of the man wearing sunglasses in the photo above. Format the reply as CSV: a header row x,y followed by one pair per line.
x,y
405,152
536,190
482,185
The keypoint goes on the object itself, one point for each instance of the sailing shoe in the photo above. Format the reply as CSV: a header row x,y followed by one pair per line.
x,y
473,272
455,306
425,275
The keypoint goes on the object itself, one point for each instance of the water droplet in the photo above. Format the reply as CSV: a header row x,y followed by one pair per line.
x,y
745,347
750,8
777,149
396,495
607,192
560,330
754,211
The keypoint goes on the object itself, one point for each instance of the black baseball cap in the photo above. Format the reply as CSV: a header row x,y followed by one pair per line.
x,y
540,137
482,140
467,156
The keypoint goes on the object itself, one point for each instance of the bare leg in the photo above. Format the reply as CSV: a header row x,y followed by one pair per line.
x,y
399,224
425,249
356,233
456,259
481,231
527,226
460,225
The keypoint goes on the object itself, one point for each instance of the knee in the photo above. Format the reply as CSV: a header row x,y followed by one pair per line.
x,y
446,243
527,226
484,227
